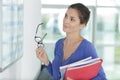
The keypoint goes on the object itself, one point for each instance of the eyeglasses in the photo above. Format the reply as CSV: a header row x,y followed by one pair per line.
x,y
38,39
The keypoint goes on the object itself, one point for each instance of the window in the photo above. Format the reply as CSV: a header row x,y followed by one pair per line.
x,y
107,39
103,29
11,38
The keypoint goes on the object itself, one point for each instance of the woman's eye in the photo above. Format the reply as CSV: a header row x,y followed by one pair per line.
x,y
72,19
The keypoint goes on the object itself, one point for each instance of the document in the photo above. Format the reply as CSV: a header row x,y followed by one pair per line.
x,y
85,69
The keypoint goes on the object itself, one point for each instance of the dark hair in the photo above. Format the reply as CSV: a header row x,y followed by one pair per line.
x,y
83,11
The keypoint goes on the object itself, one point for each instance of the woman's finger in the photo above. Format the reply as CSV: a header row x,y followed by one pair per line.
x,y
39,50
69,78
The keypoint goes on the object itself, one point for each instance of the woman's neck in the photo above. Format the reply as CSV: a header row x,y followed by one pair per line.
x,y
71,39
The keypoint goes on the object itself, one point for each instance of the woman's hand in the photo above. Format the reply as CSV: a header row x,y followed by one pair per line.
x,y
41,54
69,78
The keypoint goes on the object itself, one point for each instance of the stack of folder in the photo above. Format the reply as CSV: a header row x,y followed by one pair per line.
x,y
85,69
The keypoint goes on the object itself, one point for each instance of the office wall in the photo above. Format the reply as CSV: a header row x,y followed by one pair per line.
x,y
28,66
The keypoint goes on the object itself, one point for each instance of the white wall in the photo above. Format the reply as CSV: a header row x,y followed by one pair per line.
x,y
28,66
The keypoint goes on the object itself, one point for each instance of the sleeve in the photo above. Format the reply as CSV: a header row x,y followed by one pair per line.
x,y
52,65
49,68
101,75
90,51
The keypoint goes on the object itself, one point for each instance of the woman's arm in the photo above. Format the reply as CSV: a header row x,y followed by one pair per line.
x,y
101,75
91,51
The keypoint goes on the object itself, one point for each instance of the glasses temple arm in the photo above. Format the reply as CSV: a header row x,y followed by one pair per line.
x,y
43,37
38,27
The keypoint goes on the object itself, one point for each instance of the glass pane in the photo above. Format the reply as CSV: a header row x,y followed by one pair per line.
x,y
68,2
111,60
108,28
108,3
12,32
49,48
107,40
52,19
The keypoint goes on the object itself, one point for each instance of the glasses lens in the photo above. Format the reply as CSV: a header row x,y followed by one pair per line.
x,y
37,39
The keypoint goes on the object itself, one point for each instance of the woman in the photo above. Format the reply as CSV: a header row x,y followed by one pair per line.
x,y
73,47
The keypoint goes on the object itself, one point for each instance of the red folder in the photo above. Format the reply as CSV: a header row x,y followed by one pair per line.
x,y
83,72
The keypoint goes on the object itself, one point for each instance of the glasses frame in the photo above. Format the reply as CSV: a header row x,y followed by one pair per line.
x,y
38,39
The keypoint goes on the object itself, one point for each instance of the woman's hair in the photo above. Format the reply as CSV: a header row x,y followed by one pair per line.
x,y
83,12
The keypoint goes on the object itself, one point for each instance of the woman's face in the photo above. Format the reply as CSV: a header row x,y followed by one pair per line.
x,y
71,21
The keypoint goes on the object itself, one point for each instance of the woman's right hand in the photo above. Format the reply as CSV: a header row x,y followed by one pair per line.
x,y
41,54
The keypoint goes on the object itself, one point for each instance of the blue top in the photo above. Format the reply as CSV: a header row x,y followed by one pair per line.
x,y
84,50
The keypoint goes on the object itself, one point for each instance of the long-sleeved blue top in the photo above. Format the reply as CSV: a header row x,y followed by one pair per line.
x,y
84,50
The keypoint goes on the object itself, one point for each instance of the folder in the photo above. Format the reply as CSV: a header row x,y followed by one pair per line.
x,y
85,69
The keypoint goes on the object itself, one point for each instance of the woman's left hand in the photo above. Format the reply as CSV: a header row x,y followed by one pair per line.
x,y
69,78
